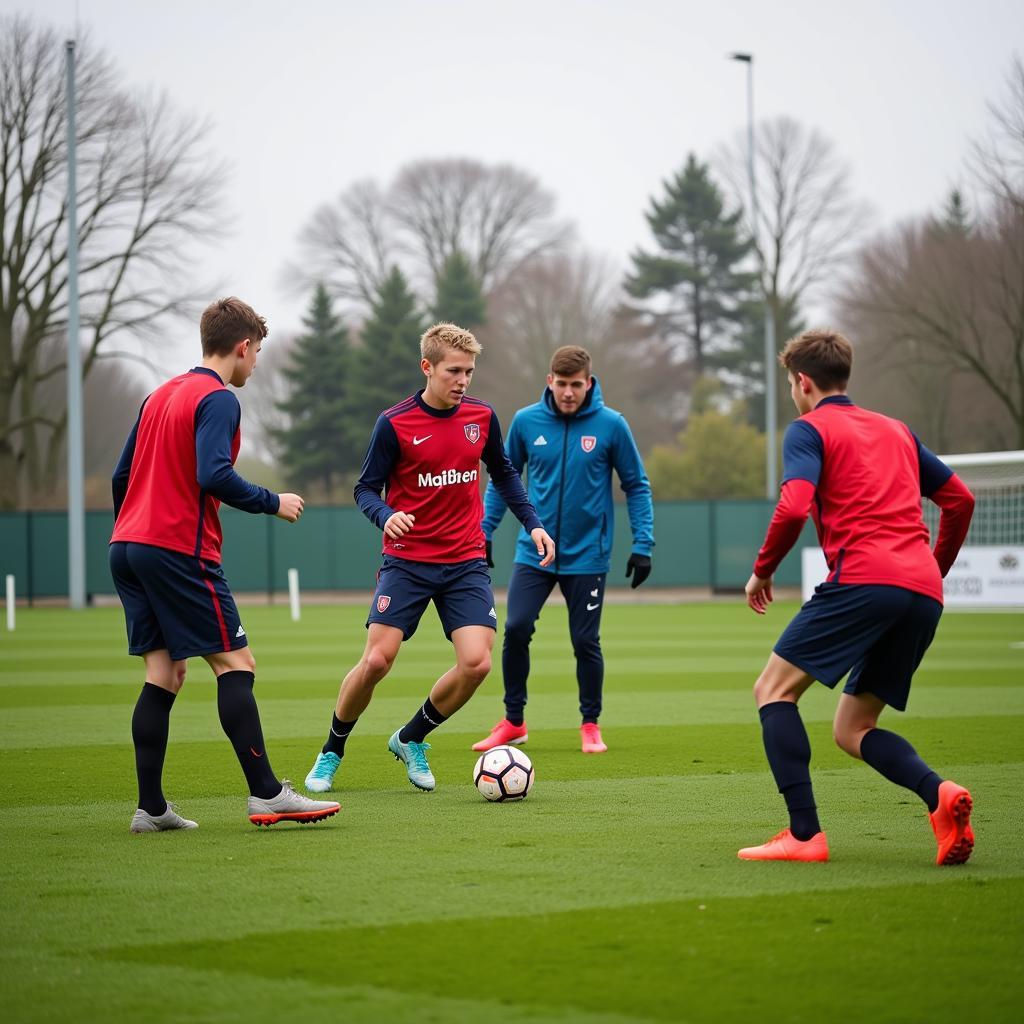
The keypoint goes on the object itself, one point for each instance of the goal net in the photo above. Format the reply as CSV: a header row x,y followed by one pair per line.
x,y
996,480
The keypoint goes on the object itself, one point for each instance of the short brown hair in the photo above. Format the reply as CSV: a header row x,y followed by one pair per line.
x,y
823,355
226,322
441,337
570,360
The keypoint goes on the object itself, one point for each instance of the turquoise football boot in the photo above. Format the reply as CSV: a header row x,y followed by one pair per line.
x,y
321,776
414,757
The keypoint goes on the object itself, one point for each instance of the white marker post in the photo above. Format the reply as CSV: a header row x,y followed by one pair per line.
x,y
10,603
293,593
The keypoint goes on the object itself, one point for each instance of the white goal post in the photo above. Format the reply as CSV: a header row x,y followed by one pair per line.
x,y
989,571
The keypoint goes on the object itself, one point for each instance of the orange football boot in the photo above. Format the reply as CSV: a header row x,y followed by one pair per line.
x,y
951,823
785,846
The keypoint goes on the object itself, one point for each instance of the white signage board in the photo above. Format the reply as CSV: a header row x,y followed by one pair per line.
x,y
981,577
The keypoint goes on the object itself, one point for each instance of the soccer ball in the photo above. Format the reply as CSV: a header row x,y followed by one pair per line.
x,y
504,773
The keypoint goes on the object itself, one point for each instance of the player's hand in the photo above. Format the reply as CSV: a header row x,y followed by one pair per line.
x,y
399,524
545,545
759,593
488,555
290,508
639,566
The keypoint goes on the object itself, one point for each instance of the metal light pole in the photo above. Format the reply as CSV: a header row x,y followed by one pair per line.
x,y
770,413
76,476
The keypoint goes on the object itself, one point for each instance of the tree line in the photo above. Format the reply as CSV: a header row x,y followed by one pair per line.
x,y
934,305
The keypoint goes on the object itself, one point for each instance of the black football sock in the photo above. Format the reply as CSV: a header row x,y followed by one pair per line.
x,y
150,722
892,756
240,720
514,717
789,755
336,737
425,721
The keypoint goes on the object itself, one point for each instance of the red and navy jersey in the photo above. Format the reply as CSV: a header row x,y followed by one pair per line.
x,y
862,475
178,466
426,462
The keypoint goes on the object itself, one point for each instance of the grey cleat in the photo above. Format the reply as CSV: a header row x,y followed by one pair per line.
x,y
289,806
170,819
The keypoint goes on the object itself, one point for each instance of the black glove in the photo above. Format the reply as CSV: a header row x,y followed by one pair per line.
x,y
487,554
639,567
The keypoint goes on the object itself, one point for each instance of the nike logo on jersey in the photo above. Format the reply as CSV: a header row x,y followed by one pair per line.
x,y
241,632
540,440
420,440
591,607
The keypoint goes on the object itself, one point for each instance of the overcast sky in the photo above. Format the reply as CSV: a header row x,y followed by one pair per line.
x,y
600,100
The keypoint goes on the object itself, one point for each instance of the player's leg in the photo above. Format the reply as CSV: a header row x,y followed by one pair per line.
x,y
473,645
151,716
270,800
356,691
528,589
788,750
584,596
882,678
465,604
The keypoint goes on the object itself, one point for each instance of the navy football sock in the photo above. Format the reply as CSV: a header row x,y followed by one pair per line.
x,y
514,717
150,722
240,720
789,755
337,736
426,720
892,756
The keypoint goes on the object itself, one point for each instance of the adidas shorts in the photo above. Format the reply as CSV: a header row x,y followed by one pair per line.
x,y
174,601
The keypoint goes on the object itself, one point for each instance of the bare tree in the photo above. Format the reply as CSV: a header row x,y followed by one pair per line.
x,y
808,222
574,299
146,187
350,246
997,160
497,217
945,306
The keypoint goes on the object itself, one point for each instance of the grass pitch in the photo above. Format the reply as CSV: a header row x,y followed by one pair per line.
x,y
612,894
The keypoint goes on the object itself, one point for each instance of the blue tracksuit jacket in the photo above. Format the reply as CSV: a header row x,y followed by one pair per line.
x,y
569,462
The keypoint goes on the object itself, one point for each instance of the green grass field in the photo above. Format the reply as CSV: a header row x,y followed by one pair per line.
x,y
612,894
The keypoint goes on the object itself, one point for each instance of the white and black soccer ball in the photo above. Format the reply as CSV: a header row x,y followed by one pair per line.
x,y
504,773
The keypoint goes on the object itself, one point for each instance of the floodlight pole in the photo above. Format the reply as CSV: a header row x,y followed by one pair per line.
x,y
770,411
76,476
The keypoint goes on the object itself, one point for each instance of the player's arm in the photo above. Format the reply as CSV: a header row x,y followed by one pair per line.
x,y
123,469
802,453
637,488
381,456
494,503
942,486
509,485
217,418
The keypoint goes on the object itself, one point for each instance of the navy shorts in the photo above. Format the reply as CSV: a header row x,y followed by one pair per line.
x,y
876,633
461,592
174,601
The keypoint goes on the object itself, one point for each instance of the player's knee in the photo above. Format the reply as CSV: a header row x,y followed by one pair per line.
x,y
178,676
244,660
587,650
476,669
377,662
848,738
518,631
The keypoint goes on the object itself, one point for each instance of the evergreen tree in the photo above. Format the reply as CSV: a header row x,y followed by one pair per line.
x,y
460,299
387,367
695,266
955,219
316,447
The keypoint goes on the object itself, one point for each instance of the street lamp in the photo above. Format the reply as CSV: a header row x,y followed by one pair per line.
x,y
770,415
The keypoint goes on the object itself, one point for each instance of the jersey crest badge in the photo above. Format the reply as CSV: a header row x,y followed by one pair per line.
x,y
382,603
588,443
472,432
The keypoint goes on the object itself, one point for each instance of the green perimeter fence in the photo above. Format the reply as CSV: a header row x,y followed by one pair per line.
x,y
699,544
